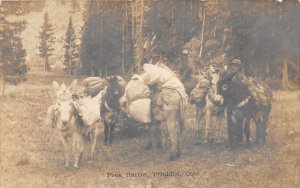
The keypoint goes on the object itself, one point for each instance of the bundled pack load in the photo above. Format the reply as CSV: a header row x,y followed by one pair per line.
x,y
164,79
203,83
156,75
204,78
88,108
167,85
137,97
260,91
93,85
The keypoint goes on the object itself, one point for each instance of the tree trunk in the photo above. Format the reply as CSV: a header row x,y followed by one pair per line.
x,y
215,26
71,66
3,84
202,33
93,68
285,75
106,72
174,39
100,51
137,16
184,18
123,40
47,66
127,32
223,43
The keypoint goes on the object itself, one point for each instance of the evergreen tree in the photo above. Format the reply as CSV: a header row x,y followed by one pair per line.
x,y
90,46
12,54
75,6
71,50
103,40
174,23
86,9
47,39
63,2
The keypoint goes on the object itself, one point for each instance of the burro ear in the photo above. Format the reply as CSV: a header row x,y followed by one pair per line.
x,y
226,67
63,86
55,85
135,77
215,77
212,69
228,77
73,85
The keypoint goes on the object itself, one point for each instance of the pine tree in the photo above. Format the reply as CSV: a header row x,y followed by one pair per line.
x,y
86,9
12,54
106,46
75,6
71,50
63,2
47,39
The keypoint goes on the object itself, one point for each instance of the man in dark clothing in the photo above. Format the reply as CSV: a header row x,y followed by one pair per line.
x,y
234,70
185,67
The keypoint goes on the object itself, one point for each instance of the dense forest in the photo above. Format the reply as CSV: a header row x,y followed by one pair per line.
x,y
117,37
120,36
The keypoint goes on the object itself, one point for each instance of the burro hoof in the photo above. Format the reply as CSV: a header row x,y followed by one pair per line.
x,y
76,166
67,164
149,146
92,157
258,143
174,157
159,145
248,144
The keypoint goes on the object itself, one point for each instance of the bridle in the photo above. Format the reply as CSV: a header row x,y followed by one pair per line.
x,y
58,112
110,96
213,101
110,109
211,97
242,103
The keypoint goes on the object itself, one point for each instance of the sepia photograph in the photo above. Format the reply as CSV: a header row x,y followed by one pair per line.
x,y
149,93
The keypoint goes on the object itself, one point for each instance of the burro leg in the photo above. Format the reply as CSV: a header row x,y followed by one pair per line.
x,y
199,115
174,132
207,125
151,139
95,131
67,150
78,146
219,126
247,131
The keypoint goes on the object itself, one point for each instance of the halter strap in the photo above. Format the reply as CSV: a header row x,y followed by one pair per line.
x,y
243,102
212,100
69,120
107,107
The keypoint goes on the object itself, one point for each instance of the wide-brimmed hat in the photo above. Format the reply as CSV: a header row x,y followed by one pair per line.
x,y
185,52
236,62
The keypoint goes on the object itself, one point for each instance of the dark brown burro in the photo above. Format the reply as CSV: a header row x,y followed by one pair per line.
x,y
243,105
110,107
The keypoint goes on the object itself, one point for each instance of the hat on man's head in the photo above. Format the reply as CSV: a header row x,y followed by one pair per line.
x,y
185,52
236,62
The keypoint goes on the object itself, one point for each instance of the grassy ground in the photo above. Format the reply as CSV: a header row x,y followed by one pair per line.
x,y
31,153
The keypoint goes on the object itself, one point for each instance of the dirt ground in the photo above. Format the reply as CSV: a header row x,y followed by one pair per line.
x,y
32,156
